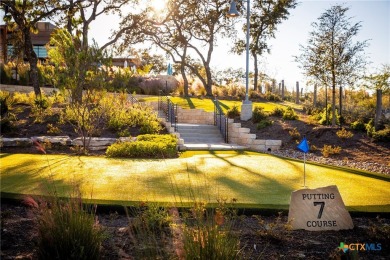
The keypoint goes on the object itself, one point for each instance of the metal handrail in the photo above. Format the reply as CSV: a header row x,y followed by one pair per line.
x,y
133,100
169,109
221,120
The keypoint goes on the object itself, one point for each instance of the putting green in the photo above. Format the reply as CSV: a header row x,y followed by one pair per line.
x,y
255,180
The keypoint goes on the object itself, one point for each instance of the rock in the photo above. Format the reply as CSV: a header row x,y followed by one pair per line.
x,y
62,140
318,210
95,141
16,142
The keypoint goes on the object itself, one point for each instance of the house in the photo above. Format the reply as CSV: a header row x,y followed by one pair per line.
x,y
39,41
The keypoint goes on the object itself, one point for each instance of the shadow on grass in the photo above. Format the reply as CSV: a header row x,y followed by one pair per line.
x,y
24,179
190,103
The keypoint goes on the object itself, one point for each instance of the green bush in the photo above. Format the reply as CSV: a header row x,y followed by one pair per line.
x,y
277,111
264,123
328,150
272,97
68,231
370,128
382,135
233,112
150,127
344,134
294,133
147,146
358,125
289,114
328,111
258,115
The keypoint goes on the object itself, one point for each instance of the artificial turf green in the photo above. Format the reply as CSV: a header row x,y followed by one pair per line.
x,y
254,180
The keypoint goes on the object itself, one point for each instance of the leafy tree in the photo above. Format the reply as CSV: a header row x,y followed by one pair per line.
x,y
155,61
331,56
264,18
187,32
23,16
379,81
78,18
76,69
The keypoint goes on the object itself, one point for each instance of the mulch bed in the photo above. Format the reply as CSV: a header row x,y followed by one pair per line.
x,y
258,238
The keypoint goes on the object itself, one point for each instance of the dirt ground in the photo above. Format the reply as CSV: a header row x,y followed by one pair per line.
x,y
258,238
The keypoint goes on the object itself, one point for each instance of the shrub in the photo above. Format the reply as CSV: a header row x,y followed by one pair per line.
x,y
344,134
328,150
66,229
147,229
264,123
370,128
324,113
233,112
272,97
382,135
52,129
150,127
289,114
358,125
258,114
145,147
277,111
209,236
294,134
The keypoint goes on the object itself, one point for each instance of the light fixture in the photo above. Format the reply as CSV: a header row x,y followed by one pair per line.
x,y
233,10
246,107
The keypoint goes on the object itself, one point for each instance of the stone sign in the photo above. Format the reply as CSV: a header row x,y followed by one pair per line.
x,y
318,209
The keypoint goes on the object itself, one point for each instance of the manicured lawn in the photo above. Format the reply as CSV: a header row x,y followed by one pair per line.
x,y
256,180
207,104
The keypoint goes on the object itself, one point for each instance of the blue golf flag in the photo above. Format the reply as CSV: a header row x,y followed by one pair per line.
x,y
303,145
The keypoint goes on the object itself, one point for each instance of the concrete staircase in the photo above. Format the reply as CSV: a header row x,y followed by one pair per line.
x,y
203,137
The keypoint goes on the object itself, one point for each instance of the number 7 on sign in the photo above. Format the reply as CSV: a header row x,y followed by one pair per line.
x,y
322,203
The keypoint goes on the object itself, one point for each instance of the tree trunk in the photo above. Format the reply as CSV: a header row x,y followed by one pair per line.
x,y
33,60
283,89
185,80
315,96
378,111
340,102
209,84
256,76
297,94
326,105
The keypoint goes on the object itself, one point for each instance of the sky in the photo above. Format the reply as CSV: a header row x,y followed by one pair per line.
x,y
293,32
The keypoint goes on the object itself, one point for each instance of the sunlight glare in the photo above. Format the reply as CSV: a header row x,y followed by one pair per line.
x,y
159,5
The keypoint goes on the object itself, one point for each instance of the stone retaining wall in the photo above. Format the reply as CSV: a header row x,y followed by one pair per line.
x,y
96,143
242,136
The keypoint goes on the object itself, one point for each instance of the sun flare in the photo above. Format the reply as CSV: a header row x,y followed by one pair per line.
x,y
159,5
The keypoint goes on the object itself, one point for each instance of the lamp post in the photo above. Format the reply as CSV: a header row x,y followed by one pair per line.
x,y
246,107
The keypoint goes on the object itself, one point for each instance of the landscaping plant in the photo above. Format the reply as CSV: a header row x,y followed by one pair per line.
x,y
68,230
208,234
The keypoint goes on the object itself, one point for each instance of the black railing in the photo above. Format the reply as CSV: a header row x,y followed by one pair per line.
x,y
133,100
221,121
169,109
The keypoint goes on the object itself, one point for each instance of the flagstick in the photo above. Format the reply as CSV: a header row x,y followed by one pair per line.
x,y
304,169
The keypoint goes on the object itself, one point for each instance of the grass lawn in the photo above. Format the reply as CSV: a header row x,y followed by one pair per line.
x,y
256,180
207,104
